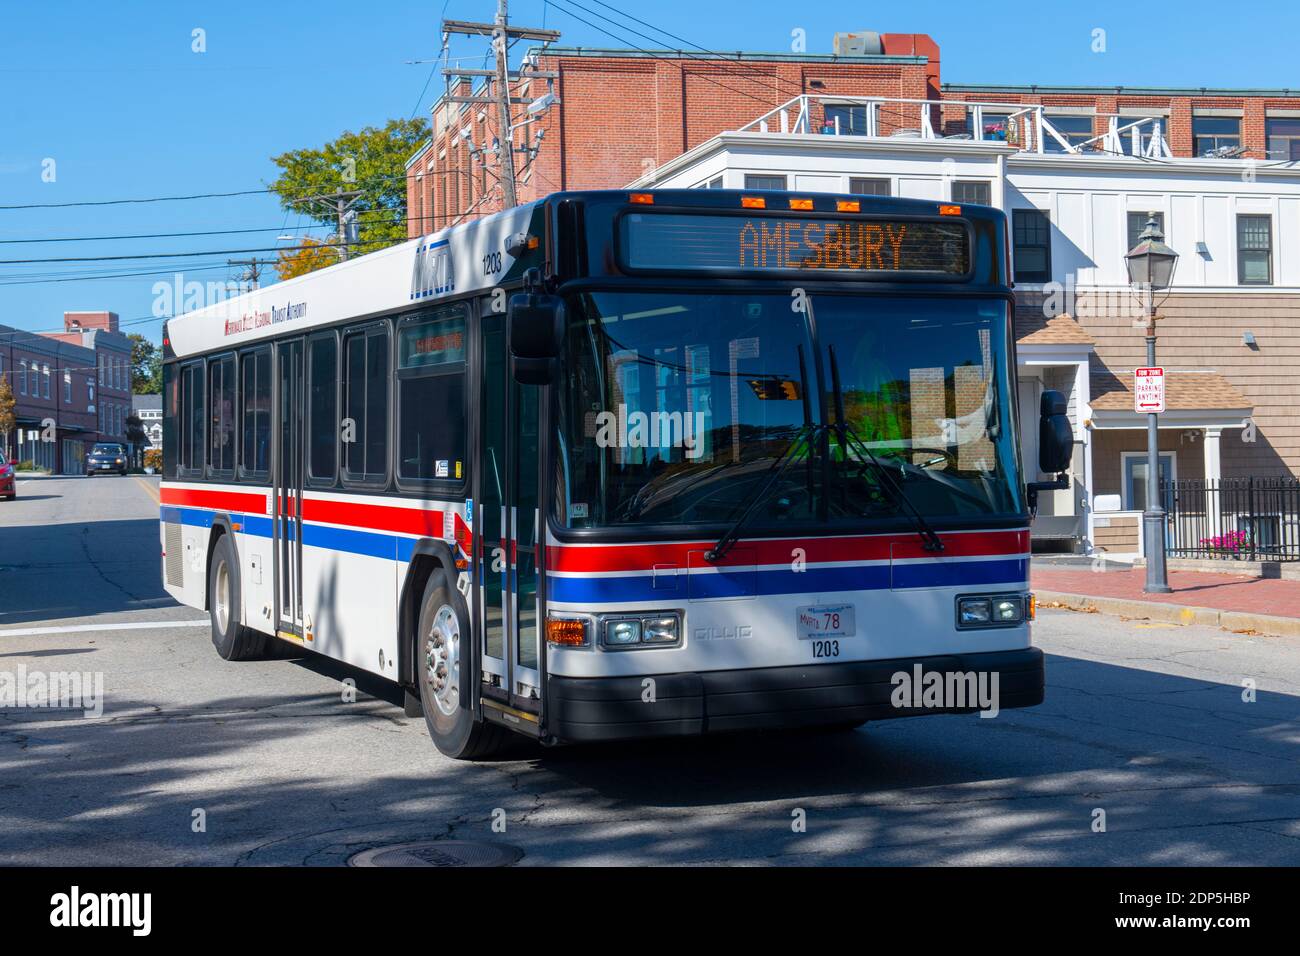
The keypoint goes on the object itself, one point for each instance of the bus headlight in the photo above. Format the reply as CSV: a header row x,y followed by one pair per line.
x,y
623,632
652,629
1008,610
973,611
990,610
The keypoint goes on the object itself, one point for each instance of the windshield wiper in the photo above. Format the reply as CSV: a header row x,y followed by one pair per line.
x,y
931,540
804,437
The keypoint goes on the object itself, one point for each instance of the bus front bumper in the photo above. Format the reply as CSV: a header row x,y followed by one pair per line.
x,y
585,709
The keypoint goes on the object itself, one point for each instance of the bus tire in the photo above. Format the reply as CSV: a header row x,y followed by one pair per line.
x,y
233,641
442,634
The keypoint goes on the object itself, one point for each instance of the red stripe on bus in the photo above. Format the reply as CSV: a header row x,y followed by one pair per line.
x,y
377,517
643,557
243,502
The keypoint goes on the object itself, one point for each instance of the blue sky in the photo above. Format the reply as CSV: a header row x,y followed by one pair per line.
x,y
114,94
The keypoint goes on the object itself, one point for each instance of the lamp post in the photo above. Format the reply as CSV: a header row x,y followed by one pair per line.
x,y
1151,267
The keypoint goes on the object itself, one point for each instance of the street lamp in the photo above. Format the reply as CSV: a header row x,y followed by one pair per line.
x,y
1150,267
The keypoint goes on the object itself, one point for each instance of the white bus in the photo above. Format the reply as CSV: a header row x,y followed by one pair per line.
x,y
617,465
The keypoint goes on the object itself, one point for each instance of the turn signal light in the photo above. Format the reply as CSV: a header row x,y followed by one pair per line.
x,y
753,202
848,205
644,199
568,632
950,210
804,204
1033,607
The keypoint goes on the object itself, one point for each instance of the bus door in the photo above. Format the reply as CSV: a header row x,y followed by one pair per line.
x,y
287,476
505,512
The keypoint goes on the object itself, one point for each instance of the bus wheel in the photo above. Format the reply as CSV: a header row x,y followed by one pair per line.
x,y
233,641
443,635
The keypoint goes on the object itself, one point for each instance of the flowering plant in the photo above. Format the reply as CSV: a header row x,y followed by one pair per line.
x,y
1230,543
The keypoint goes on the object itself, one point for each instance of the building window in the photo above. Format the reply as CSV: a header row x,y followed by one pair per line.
x,y
67,387
1255,250
1072,128
1283,138
431,374
753,181
45,381
365,403
714,183
1215,135
90,394
100,360
1137,222
994,124
1144,132
322,408
1032,240
868,186
974,191
221,413
22,377
846,120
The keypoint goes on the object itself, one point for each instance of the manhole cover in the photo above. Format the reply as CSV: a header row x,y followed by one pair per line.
x,y
439,853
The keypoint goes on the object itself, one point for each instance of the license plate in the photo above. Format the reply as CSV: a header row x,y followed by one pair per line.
x,y
825,620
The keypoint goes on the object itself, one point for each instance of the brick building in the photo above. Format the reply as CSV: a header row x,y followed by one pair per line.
x,y
623,113
72,388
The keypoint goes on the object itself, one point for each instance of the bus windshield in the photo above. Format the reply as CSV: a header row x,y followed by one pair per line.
x,y
679,408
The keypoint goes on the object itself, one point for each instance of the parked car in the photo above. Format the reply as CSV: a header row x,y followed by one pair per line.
x,y
106,456
8,485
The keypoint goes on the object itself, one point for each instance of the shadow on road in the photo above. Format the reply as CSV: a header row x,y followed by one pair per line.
x,y
1183,768
49,572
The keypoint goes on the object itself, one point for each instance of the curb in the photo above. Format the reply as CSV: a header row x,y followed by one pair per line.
x,y
1182,614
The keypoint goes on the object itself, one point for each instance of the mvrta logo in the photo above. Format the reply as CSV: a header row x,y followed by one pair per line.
x,y
433,273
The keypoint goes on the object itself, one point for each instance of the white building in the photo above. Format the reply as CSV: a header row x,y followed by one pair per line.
x,y
1229,330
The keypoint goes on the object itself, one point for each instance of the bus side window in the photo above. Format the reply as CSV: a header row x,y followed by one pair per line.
x,y
431,413
322,409
221,416
255,414
171,418
365,405
192,445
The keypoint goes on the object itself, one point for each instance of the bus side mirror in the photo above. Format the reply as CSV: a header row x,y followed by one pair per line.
x,y
536,333
1055,436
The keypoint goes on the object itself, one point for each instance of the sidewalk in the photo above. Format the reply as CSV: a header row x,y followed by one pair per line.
x,y
1267,605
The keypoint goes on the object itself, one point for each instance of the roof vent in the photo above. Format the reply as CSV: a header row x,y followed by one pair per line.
x,y
864,43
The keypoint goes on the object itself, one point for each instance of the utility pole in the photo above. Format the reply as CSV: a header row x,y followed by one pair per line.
x,y
501,34
504,137
340,203
253,268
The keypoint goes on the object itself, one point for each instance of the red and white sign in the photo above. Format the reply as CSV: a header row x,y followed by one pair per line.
x,y
1149,390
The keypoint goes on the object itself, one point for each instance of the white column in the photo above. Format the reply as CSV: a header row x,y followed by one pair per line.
x,y
1213,472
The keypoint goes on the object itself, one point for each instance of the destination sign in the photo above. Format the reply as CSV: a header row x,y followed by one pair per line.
x,y
677,242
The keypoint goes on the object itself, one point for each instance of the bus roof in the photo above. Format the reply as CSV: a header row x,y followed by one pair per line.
x,y
481,255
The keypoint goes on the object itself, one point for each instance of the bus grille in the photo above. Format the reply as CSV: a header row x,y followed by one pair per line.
x,y
175,562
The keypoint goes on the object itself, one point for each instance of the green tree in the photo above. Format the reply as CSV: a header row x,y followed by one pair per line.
x,y
371,162
146,366
8,418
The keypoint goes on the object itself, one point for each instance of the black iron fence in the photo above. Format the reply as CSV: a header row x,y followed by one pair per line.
x,y
1246,519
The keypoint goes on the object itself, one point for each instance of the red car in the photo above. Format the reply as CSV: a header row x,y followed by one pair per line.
x,y
8,486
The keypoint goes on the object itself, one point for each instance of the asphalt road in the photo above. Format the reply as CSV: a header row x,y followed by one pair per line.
x,y
1144,722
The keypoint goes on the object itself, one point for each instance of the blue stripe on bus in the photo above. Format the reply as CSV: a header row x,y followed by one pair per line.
x,y
871,577
578,590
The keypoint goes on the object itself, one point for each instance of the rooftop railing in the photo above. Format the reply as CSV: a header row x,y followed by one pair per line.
x,y
1026,127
